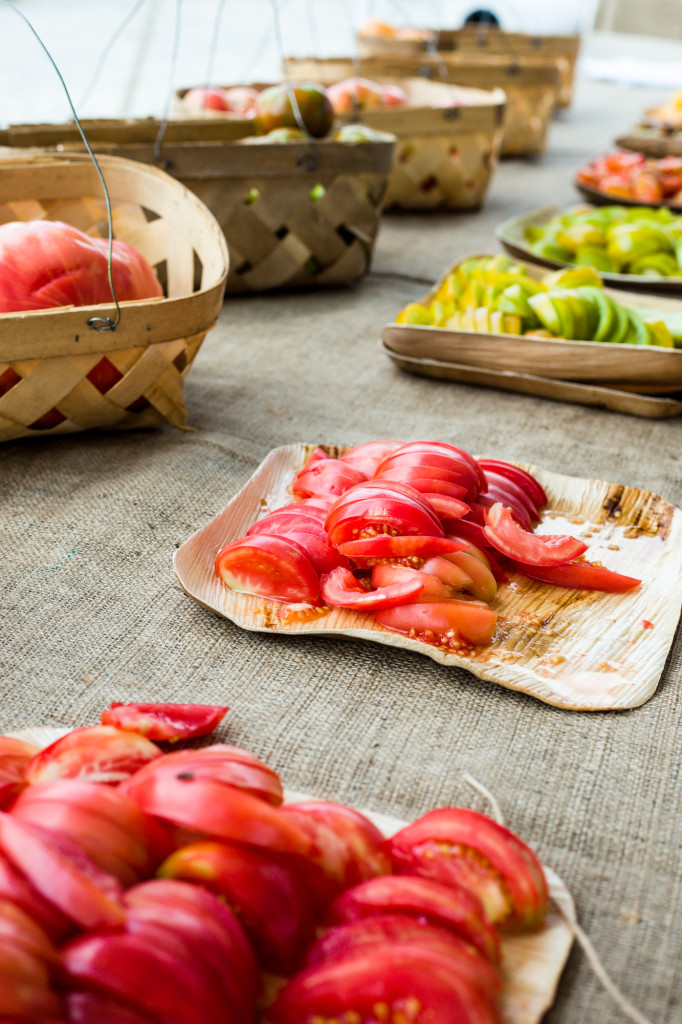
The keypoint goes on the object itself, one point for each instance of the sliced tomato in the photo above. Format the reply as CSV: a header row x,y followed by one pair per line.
x,y
313,541
507,536
427,464
423,478
328,476
305,516
91,1008
321,501
465,529
15,757
442,621
366,457
524,479
269,898
438,450
170,722
384,574
98,753
318,455
340,589
15,888
481,581
62,874
367,519
273,567
230,766
24,986
386,547
19,930
448,572
387,984
452,907
213,809
481,507
501,482
578,576
345,848
458,846
447,507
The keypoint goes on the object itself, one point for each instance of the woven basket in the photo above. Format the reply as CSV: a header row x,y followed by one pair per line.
x,y
445,155
287,225
531,87
46,355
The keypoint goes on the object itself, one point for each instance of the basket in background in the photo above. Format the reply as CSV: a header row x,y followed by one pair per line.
x,y
57,374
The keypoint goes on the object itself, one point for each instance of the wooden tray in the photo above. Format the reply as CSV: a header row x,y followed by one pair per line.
x,y
593,395
577,650
531,964
652,141
641,368
512,234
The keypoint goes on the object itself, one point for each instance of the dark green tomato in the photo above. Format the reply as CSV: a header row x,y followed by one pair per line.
x,y
274,109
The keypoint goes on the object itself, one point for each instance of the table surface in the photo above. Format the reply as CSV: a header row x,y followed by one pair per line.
x,y
91,610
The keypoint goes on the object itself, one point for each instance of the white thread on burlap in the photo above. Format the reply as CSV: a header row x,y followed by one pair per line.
x,y
583,940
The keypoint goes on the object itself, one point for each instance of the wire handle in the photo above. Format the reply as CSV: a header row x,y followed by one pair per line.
x,y
306,161
97,323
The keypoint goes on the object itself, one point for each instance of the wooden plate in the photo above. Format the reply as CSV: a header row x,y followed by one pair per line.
x,y
643,368
652,141
616,400
512,234
531,964
574,649
593,195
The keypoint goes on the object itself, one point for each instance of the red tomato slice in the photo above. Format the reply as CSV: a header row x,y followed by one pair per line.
x,y
19,930
499,484
507,536
452,907
271,567
459,846
340,589
481,581
381,511
270,898
230,766
98,753
442,622
532,487
319,454
213,809
366,457
328,476
380,489
452,469
345,847
447,507
322,501
396,978
91,1008
423,478
465,529
305,514
384,546
15,757
169,722
578,576
62,874
15,888
433,589
448,572
484,502
313,541
24,986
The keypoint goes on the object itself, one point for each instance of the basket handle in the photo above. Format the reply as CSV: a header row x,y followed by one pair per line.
x,y
96,323
306,161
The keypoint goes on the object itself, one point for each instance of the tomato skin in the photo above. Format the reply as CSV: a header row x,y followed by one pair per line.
x,y
393,978
272,567
308,533
15,888
578,576
311,519
271,900
533,487
385,546
424,478
21,931
481,583
366,457
433,589
506,536
381,509
91,1008
446,506
448,572
325,476
499,488
448,906
474,623
170,722
24,985
15,757
49,263
460,846
340,589
99,753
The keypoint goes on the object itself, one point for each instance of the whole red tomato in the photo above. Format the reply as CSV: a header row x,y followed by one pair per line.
x,y
46,263
274,108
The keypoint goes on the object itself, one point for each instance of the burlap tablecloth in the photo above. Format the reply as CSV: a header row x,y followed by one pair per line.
x,y
91,610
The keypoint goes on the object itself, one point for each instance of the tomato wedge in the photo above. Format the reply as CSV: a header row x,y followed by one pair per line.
x,y
170,722
442,621
340,589
578,576
522,477
458,846
385,546
448,572
273,567
424,478
369,517
497,483
15,757
446,506
507,536
325,476
16,888
366,457
481,582
384,574
98,753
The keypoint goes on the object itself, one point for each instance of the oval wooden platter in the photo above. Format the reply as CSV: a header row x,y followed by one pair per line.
x,y
575,649
531,963
646,369
512,234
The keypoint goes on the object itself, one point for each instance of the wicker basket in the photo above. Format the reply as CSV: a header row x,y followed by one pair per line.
x,y
287,224
531,87
47,355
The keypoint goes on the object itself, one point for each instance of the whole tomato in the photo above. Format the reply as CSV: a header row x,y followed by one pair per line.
x,y
274,108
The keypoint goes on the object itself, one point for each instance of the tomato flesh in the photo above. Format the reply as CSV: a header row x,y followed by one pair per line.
x,y
366,457
99,753
481,581
384,574
442,622
170,722
507,537
578,576
533,487
339,588
387,547
271,567
15,757
325,476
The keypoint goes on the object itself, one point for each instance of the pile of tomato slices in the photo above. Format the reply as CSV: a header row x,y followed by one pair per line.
x,y
418,534
139,886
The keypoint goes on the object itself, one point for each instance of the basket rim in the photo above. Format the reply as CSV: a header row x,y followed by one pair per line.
x,y
63,330
538,70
